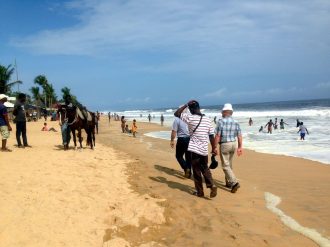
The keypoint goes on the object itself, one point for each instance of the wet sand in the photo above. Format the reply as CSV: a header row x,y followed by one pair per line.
x,y
131,192
240,219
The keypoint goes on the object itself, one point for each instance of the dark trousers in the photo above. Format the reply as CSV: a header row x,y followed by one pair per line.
x,y
21,131
201,169
182,150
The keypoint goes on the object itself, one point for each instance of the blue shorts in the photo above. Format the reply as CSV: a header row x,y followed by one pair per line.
x,y
302,135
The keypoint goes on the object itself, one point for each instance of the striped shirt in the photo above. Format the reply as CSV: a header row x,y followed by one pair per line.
x,y
228,129
199,140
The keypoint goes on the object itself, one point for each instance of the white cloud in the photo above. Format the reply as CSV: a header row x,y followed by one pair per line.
x,y
198,27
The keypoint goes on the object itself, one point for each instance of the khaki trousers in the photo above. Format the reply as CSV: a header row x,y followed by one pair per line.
x,y
227,152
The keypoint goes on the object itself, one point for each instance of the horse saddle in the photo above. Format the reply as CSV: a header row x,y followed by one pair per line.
x,y
83,114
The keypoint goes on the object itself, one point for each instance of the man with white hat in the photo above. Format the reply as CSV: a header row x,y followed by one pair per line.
x,y
227,131
5,127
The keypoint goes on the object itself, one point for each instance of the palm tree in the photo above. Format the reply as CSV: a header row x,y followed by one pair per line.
x,y
65,92
48,96
5,76
35,93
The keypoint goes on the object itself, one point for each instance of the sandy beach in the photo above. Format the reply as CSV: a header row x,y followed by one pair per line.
x,y
131,192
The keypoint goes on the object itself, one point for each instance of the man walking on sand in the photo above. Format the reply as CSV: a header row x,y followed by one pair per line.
x,y
180,130
227,131
201,131
5,127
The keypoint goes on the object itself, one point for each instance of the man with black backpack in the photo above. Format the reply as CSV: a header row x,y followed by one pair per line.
x,y
201,132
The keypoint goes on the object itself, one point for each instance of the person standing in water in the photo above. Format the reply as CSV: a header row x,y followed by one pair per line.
x,y
250,122
275,124
298,123
149,118
201,132
282,123
227,131
162,120
270,125
303,130
181,131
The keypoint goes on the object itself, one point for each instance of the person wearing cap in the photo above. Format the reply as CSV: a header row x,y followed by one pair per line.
x,y
201,132
227,131
19,112
5,127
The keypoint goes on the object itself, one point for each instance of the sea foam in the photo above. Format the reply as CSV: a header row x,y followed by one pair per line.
x,y
272,201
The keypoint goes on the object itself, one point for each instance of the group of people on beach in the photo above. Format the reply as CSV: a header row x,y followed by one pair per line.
x,y
126,129
20,122
194,131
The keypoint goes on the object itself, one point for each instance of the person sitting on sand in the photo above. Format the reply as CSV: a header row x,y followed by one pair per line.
x,y
227,131
282,123
261,129
134,128
45,128
123,123
303,130
270,125
201,131
5,127
127,130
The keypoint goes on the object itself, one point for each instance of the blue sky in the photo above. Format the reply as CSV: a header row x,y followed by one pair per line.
x,y
126,54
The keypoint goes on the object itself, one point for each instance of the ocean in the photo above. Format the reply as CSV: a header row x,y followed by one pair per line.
x,y
314,113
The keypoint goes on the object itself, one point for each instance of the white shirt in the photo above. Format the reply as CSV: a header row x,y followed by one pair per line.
x,y
199,140
180,127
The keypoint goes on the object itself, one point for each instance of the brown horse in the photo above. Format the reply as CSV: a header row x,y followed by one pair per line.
x,y
76,123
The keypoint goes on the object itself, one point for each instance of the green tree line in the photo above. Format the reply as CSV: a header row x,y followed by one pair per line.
x,y
42,94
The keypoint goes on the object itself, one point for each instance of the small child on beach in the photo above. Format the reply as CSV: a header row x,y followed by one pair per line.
x,y
45,128
134,128
127,130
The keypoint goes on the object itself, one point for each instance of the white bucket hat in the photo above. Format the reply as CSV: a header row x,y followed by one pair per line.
x,y
227,107
2,96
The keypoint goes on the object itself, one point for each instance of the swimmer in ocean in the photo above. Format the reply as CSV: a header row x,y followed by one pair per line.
x,y
270,125
303,130
282,123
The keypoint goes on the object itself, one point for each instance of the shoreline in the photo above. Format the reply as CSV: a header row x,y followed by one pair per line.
x,y
131,192
302,214
168,128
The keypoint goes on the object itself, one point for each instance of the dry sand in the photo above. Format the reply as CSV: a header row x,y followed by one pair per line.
x,y
131,192
49,197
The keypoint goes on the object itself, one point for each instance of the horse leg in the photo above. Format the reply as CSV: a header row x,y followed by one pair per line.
x,y
80,138
74,138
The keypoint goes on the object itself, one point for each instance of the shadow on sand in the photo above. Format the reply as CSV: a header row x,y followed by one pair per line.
x,y
174,185
172,172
